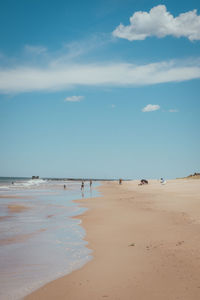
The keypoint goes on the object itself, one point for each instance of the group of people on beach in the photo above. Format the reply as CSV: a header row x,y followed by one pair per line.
x,y
144,181
83,184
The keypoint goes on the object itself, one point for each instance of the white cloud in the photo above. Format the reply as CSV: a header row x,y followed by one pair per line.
x,y
74,98
160,23
151,107
64,76
173,110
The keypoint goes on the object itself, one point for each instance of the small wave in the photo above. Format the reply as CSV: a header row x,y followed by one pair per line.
x,y
29,183
2,187
22,184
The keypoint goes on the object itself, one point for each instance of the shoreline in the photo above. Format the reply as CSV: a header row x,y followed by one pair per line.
x,y
36,232
145,245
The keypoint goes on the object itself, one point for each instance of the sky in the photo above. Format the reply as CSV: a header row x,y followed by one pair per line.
x,y
102,89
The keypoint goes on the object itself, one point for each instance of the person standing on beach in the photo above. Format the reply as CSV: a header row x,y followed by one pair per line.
x,y
82,185
90,183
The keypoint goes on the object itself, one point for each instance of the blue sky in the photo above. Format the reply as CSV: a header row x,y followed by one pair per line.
x,y
83,96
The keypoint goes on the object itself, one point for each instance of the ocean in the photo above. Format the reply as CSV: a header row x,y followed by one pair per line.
x,y
39,239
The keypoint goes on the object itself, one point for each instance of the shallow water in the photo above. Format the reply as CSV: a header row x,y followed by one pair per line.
x,y
41,241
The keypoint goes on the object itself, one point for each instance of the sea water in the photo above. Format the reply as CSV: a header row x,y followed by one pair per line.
x,y
41,241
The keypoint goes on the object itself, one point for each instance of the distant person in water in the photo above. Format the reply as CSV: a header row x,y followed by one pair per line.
x,y
64,186
82,185
90,183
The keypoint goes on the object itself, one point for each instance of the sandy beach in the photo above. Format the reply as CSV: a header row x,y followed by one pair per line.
x,y
145,242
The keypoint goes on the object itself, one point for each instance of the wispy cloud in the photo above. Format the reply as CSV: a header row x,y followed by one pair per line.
x,y
76,50
160,23
113,106
64,76
35,49
151,107
173,110
74,98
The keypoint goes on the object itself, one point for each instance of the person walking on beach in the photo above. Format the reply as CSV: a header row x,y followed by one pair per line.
x,y
82,185
120,181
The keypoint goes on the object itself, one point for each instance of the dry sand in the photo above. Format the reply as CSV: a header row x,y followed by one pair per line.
x,y
146,245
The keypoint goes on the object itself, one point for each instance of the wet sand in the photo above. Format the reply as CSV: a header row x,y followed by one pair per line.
x,y
11,197
145,241
17,208
20,238
2,218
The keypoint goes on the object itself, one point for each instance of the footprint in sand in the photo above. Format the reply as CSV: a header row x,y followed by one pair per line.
x,y
180,243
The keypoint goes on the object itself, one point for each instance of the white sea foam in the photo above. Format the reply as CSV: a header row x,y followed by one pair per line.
x,y
29,183
21,184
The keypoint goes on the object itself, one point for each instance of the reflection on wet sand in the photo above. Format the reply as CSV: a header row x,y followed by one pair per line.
x,y
20,238
16,208
3,218
50,216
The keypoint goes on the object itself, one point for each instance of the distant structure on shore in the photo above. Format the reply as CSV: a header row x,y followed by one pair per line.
x,y
35,177
194,176
191,176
